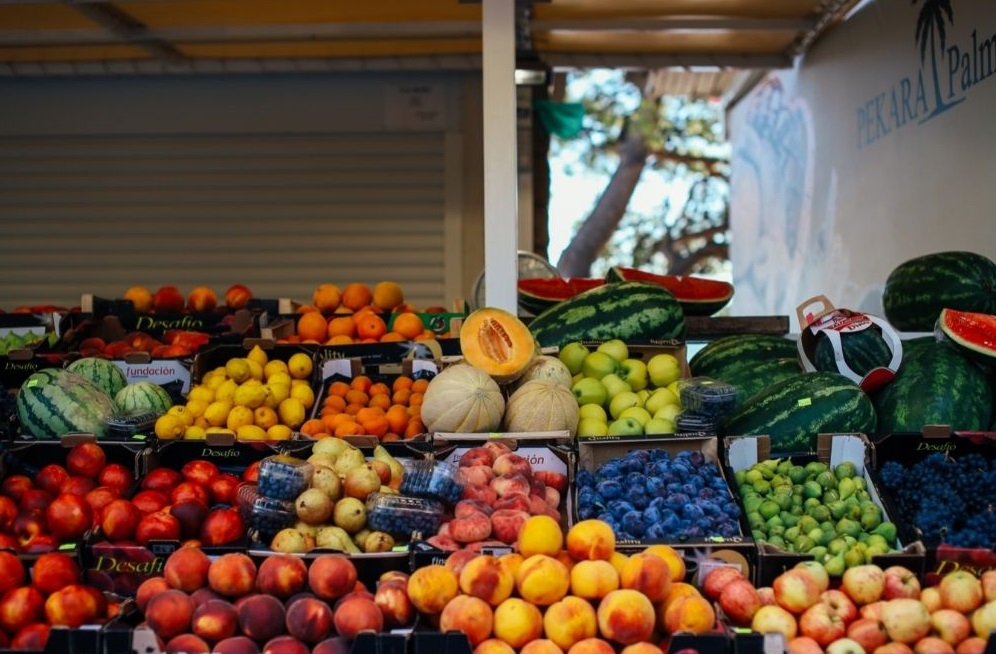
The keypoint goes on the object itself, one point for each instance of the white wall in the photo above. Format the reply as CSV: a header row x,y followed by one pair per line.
x,y
855,161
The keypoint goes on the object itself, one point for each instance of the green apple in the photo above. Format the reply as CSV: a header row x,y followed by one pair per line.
x,y
658,426
634,371
614,384
637,412
616,348
593,411
590,391
625,427
622,401
663,369
669,412
644,395
592,427
599,364
660,398
675,387
576,378
572,355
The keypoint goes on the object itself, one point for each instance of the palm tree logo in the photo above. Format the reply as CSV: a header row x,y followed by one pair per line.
x,y
930,28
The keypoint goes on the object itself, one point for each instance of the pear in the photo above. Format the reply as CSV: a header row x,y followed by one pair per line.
x,y
347,542
349,459
313,506
289,541
327,480
333,446
350,513
322,459
380,453
327,538
378,541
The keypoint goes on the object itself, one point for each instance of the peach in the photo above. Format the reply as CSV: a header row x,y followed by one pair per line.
x,y
593,580
463,508
540,535
590,540
355,614
510,484
261,617
169,613
675,561
140,297
512,502
506,523
392,599
309,620
168,299
431,588
202,595
54,570
458,559
443,542
493,646
471,615
31,638
470,528
186,569
570,620
690,614
542,580
330,576
187,644
486,578
480,492
333,645
20,607
539,506
541,646
149,589
282,575
237,296
215,620
511,463
626,616
642,648
554,480
236,645
647,573
202,300
477,456
517,622
475,475
592,646
285,645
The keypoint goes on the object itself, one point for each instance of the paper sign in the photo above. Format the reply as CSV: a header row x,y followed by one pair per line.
x,y
415,107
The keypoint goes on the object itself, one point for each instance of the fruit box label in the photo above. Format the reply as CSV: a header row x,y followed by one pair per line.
x,y
540,458
159,371
121,569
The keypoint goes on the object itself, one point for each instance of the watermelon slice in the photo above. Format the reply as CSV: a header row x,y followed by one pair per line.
x,y
697,296
973,333
537,294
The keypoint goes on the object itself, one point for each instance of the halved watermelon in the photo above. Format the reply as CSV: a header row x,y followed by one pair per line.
x,y
697,296
536,294
973,333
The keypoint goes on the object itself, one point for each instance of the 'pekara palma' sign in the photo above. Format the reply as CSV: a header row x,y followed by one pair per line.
x,y
953,58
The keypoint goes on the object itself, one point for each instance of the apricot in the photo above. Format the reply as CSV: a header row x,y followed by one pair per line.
x,y
647,573
187,644
236,645
330,576
471,615
591,540
485,577
232,574
693,614
592,646
540,534
309,620
593,579
626,616
215,620
186,569
261,617
570,620
517,622
169,613
541,646
493,646
431,588
542,580
282,575
355,614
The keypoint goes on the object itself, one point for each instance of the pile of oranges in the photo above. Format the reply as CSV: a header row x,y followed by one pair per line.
x,y
356,313
363,407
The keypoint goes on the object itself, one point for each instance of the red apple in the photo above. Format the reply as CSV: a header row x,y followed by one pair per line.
x,y
222,526
863,583
168,299
237,296
116,476
795,590
900,581
841,604
161,479
984,620
868,632
950,625
818,572
222,489
718,578
988,581
199,471
150,501
931,598
740,601
873,610
69,517
119,520
822,624
906,620
773,619
157,526
960,590
767,595
86,460
50,478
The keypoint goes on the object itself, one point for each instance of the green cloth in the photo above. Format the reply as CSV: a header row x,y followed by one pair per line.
x,y
562,119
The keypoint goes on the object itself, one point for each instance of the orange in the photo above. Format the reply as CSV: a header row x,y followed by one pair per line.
x,y
397,418
370,325
408,325
334,403
378,388
387,295
390,437
356,296
401,396
339,388
380,401
350,428
341,339
341,326
414,428
312,427
306,308
354,396
414,411
402,381
415,399
326,298
332,422
392,337
361,383
375,426
419,385
311,326
368,412
426,335
354,408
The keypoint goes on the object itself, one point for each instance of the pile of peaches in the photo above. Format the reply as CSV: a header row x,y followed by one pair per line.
x,y
169,299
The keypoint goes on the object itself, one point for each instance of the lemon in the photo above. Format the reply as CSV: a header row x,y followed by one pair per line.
x,y
300,365
196,408
238,369
258,355
213,381
251,394
226,391
194,433
279,377
279,432
273,367
239,416
275,394
201,422
304,394
265,417
255,370
250,433
201,392
291,412
216,413
169,426
181,412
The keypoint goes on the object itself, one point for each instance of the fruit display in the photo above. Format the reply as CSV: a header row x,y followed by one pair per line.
x,y
173,343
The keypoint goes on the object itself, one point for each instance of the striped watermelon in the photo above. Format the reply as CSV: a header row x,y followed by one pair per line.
x,y
102,372
53,402
917,290
537,294
697,296
752,379
143,397
630,311
730,355
863,350
935,385
795,410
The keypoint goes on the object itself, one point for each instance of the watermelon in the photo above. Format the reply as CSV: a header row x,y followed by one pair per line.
x,y
630,311
102,372
697,296
973,333
795,410
537,294
729,355
863,350
143,397
749,380
53,402
935,385
917,290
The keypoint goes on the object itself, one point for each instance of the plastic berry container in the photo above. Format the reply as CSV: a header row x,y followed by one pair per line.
x,y
270,516
126,425
402,515
431,479
706,396
283,477
688,422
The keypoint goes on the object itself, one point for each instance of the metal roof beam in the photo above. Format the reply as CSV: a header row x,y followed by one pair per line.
x,y
651,61
125,27
657,24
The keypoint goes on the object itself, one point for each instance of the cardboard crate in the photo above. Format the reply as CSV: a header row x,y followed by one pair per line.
x,y
27,457
701,554
66,640
744,451
910,448
456,642
222,449
222,324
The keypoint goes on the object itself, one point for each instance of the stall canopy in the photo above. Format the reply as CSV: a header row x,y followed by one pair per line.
x,y
94,37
